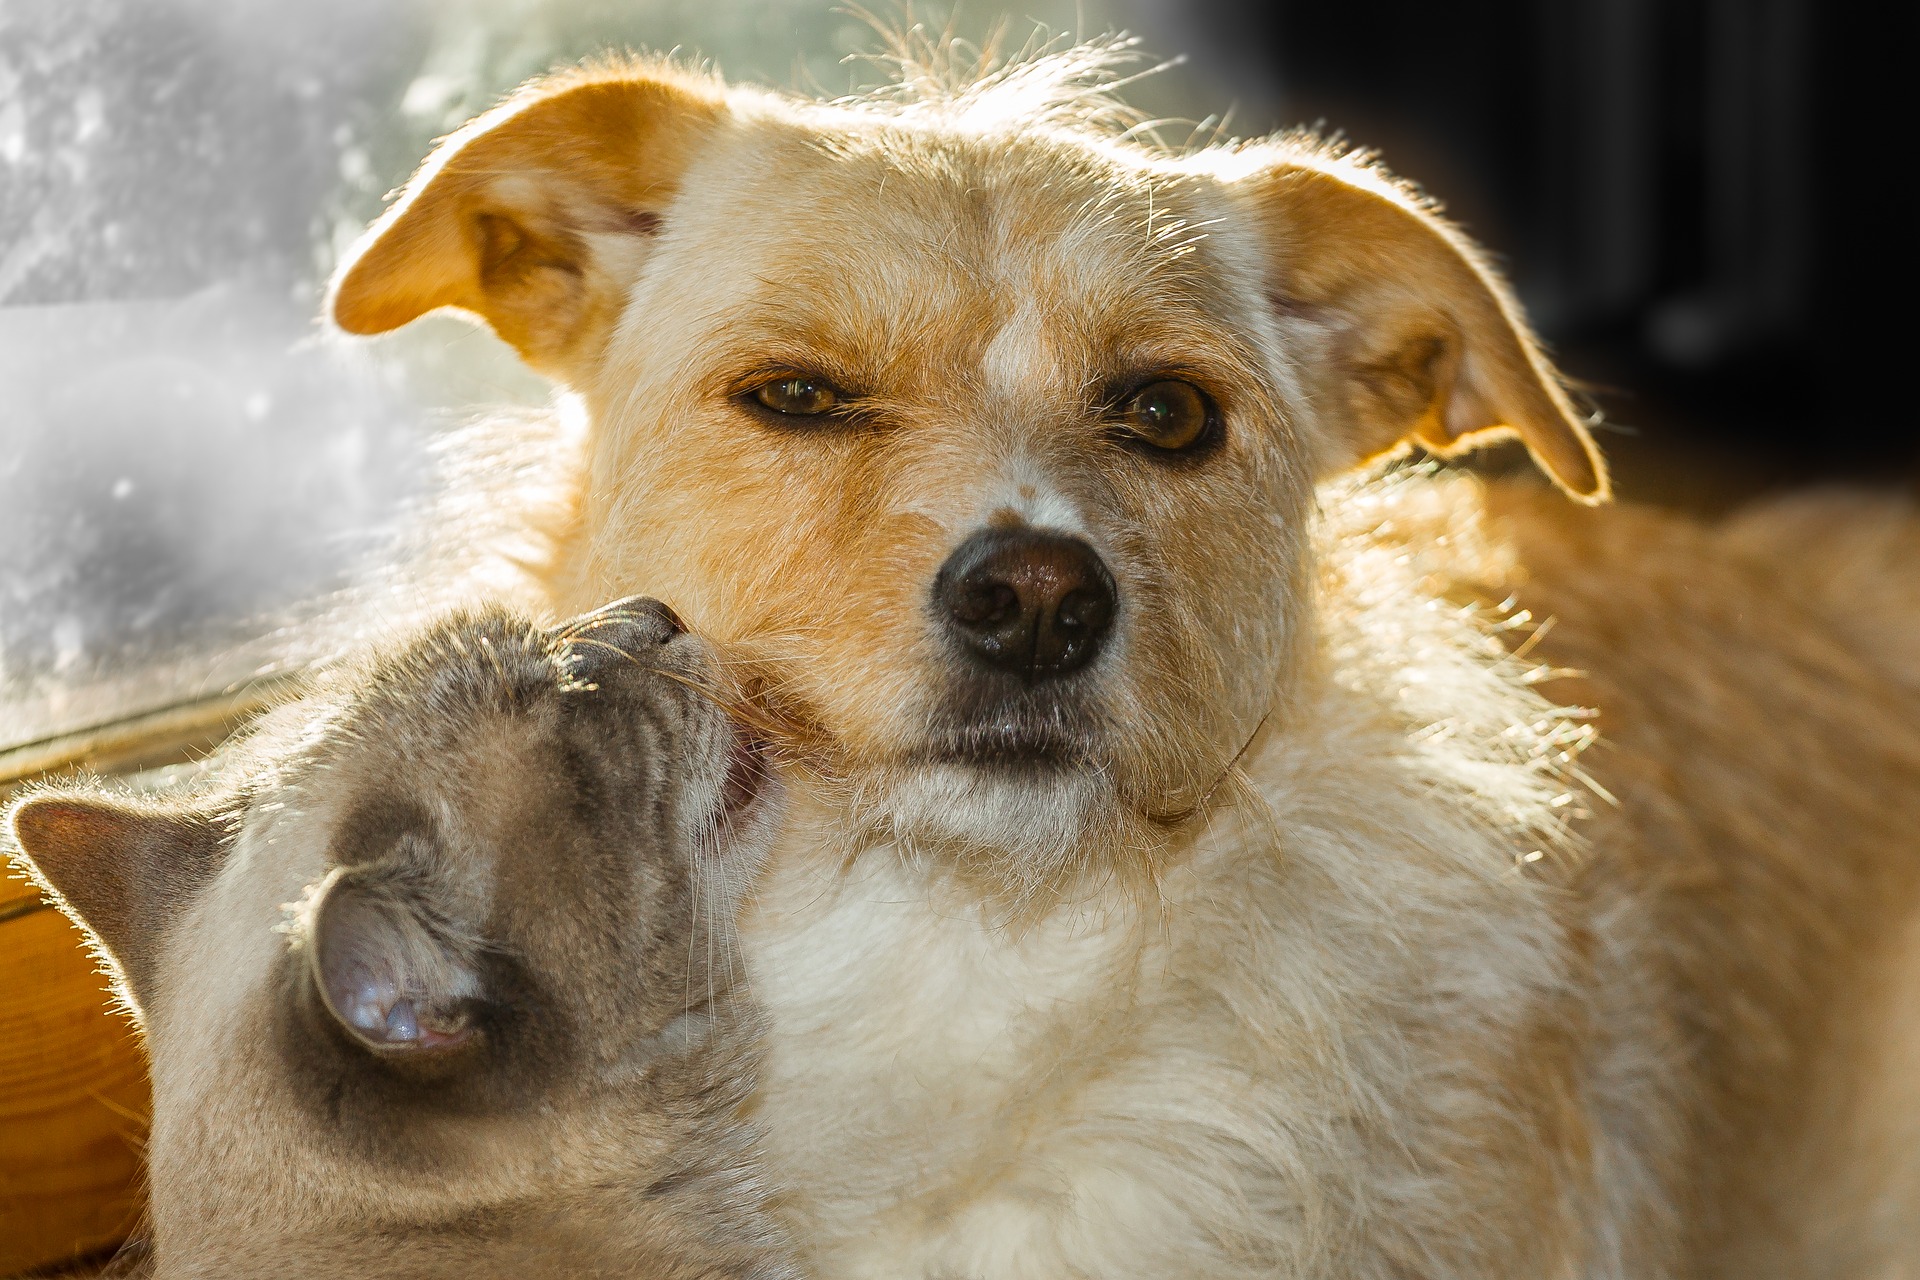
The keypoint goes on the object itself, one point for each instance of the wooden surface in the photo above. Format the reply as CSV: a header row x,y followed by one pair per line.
x,y
73,1081
160,736
73,1094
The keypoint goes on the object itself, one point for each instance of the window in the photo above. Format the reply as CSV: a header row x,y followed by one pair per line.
x,y
191,467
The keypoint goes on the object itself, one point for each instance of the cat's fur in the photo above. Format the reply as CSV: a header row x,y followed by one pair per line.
x,y
443,986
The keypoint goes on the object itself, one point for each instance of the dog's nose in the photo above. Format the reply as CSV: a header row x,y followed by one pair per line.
x,y
1028,602
626,627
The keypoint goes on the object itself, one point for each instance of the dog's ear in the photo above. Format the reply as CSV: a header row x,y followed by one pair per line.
x,y
1429,345
530,216
121,868
394,972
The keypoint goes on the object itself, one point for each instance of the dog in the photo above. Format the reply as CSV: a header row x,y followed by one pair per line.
x,y
436,983
1215,851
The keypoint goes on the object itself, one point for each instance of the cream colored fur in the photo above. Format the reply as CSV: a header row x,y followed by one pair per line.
x,y
1469,883
1283,1065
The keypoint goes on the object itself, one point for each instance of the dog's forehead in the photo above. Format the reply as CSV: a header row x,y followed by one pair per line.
x,y
874,238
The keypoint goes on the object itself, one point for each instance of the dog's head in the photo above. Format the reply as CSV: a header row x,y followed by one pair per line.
x,y
419,1000
991,434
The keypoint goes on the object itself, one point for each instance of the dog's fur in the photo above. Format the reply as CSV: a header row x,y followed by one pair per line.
x,y
512,838
1321,949
1324,951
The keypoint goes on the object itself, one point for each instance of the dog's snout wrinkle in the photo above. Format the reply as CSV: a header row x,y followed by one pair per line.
x,y
1028,602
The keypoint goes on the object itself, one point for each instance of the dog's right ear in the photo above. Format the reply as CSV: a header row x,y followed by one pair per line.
x,y
122,869
526,215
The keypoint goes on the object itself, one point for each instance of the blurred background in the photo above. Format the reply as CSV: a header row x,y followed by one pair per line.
x,y
1687,193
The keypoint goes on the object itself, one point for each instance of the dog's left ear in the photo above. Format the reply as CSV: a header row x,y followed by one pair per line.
x,y
123,869
1429,346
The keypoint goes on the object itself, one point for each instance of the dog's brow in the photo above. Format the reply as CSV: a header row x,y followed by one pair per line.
x,y
754,366
1021,353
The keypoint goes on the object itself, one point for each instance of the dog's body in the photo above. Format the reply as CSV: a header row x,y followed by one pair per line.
x,y
440,984
1763,747
1182,879
1360,1033
1182,883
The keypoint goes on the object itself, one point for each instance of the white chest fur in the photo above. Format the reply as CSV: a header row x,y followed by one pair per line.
x,y
1257,1075
910,1031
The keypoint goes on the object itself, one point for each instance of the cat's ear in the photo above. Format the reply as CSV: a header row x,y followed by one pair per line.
x,y
124,869
400,978
1424,341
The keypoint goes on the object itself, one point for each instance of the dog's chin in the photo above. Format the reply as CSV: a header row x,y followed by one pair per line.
x,y
1019,794
1029,807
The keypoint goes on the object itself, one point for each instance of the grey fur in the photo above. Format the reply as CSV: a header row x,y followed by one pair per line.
x,y
497,1035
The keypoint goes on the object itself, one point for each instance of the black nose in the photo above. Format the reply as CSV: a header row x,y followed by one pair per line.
x,y
625,628
1031,603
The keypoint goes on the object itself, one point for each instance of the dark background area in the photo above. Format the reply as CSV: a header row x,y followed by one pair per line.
x,y
1697,200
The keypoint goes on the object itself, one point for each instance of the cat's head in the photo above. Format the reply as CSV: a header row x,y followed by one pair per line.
x,y
457,960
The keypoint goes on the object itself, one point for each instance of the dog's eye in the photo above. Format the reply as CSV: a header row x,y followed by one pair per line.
x,y
798,396
1170,416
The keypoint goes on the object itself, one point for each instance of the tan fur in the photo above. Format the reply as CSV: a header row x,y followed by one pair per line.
x,y
518,222
1852,554
1346,954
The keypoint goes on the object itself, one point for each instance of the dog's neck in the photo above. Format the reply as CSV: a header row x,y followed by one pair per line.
x,y
954,1033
